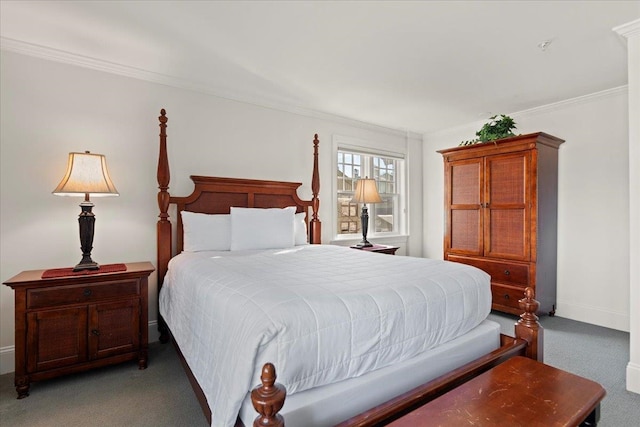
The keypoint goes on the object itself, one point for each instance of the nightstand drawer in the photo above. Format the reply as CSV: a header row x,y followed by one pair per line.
x,y
501,272
62,295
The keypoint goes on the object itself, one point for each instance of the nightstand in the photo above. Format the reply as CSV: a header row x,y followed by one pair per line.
x,y
383,249
70,322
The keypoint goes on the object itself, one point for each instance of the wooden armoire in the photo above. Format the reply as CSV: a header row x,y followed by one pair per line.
x,y
501,203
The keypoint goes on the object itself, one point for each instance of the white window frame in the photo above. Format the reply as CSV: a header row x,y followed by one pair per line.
x,y
369,148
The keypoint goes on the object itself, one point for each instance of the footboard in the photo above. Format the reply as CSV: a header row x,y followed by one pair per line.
x,y
268,398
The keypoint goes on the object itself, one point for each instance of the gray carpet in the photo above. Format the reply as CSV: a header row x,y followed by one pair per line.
x,y
161,395
113,396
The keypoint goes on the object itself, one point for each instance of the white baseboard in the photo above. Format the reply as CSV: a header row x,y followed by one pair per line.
x,y
593,315
7,359
8,354
154,335
633,377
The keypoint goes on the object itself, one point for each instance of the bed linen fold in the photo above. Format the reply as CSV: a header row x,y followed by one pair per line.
x,y
320,313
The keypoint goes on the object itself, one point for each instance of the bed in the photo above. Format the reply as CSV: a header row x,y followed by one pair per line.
x,y
335,322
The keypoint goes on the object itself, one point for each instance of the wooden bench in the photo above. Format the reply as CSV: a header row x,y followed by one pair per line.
x,y
518,392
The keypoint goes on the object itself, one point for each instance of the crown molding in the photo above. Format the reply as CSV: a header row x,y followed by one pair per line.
x,y
57,55
620,90
628,30
62,56
616,91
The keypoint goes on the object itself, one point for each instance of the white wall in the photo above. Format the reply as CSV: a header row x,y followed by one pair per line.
x,y
631,32
593,205
50,108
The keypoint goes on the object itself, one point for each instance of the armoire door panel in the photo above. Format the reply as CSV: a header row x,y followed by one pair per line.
x,y
466,182
507,179
507,234
507,205
465,201
466,231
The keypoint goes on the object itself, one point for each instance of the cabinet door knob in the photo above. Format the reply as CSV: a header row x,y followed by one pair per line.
x,y
506,296
507,272
87,292
95,332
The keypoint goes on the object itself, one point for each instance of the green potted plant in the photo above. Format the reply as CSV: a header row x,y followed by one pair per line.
x,y
499,126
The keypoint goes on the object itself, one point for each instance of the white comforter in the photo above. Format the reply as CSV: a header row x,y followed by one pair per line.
x,y
320,313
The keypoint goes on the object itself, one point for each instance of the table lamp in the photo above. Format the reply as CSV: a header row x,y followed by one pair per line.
x,y
366,192
86,175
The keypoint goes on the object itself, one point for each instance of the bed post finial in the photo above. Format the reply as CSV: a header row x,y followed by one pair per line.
x,y
164,225
268,399
315,227
163,175
528,327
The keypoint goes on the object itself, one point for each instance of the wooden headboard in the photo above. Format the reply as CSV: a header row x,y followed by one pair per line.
x,y
213,195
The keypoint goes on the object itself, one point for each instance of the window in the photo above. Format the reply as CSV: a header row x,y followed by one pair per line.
x,y
386,169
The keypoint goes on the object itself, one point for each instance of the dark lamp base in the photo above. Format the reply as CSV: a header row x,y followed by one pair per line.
x,y
86,266
364,221
86,220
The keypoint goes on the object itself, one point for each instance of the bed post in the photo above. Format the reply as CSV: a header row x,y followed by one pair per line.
x,y
315,226
268,398
528,327
164,225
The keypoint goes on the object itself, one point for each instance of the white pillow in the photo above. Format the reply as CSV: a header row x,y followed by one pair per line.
x,y
203,232
300,229
255,228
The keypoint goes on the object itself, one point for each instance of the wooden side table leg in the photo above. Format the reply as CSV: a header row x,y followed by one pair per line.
x,y
22,386
593,418
142,359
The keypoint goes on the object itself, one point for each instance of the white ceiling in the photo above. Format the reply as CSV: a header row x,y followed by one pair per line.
x,y
418,66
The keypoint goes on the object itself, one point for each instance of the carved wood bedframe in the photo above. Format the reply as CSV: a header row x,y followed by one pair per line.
x,y
214,195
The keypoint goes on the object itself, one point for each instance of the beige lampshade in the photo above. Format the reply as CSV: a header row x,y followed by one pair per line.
x,y
86,174
366,191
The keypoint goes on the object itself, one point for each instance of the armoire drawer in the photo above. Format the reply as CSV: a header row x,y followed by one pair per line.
x,y
507,296
87,293
500,272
